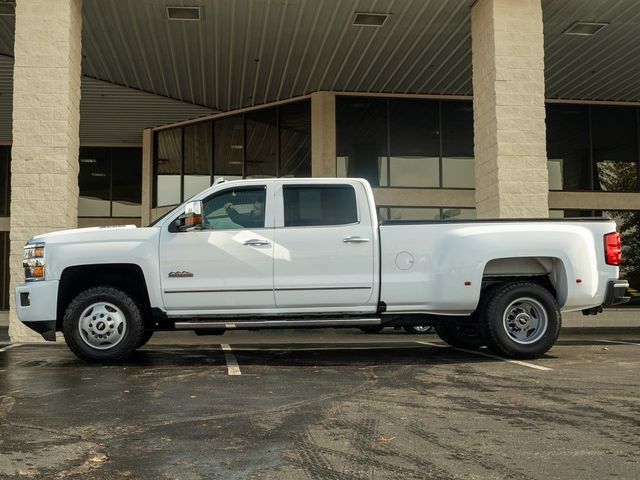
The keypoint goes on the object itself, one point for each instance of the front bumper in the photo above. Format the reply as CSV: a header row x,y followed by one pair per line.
x,y
616,293
36,305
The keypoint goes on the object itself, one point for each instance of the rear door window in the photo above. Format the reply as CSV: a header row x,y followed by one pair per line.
x,y
319,205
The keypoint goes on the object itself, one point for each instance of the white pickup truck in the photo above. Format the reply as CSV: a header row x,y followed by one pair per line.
x,y
305,253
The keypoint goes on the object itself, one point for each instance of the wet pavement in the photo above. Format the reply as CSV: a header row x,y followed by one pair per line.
x,y
325,404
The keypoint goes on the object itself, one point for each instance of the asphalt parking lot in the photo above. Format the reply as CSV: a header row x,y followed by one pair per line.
x,y
324,405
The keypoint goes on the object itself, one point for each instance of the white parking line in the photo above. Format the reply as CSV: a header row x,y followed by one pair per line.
x,y
489,355
232,364
13,345
619,341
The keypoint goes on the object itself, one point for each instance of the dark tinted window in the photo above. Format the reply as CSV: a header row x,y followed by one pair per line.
x,y
415,143
319,205
361,138
295,139
126,182
457,145
168,167
94,182
5,169
229,147
615,148
4,270
198,155
110,182
262,143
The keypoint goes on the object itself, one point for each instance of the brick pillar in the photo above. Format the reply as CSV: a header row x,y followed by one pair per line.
x,y
508,108
46,120
323,134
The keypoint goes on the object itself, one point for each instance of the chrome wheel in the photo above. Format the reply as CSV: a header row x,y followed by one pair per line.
x,y
422,328
102,325
525,320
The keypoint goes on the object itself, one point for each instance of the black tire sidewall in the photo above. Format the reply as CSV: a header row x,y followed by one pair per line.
x,y
500,340
455,336
134,324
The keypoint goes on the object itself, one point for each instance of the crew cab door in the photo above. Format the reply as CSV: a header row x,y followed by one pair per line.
x,y
225,266
324,246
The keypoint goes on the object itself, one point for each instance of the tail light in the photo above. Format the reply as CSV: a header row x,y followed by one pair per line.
x,y
613,248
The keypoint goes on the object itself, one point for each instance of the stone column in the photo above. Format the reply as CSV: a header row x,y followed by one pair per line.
x,y
46,121
508,108
323,134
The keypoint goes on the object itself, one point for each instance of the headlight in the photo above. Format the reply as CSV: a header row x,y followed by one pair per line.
x,y
33,262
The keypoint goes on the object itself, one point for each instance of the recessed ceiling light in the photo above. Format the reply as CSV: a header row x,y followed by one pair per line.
x,y
183,13
585,28
370,19
7,9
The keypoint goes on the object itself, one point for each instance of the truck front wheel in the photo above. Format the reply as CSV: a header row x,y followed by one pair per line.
x,y
521,320
103,324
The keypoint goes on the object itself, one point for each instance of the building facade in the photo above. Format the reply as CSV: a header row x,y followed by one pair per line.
x,y
113,111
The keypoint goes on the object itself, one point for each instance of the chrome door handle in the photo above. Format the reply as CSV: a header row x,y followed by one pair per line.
x,y
355,239
256,242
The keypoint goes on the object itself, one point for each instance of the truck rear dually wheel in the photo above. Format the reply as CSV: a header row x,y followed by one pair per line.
x,y
103,324
521,320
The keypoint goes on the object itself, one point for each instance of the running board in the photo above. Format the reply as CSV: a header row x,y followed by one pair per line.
x,y
246,324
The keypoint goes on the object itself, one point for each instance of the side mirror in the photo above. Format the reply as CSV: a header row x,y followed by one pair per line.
x,y
191,219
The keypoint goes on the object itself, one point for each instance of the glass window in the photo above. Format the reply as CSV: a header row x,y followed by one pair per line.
x,y
5,177
126,182
454,213
169,167
4,270
319,205
414,213
262,143
457,145
361,138
615,148
295,139
427,213
229,147
198,155
94,181
414,134
110,182
568,147
235,208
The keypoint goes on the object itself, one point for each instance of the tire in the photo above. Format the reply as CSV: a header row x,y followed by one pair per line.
x,y
463,336
521,320
145,338
103,324
418,329
372,328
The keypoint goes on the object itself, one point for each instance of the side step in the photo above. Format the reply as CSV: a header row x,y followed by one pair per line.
x,y
247,324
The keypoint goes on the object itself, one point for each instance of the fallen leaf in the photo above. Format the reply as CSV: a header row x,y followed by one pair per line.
x,y
99,458
383,439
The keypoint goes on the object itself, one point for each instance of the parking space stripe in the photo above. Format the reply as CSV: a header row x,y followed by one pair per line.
x,y
13,345
232,364
489,355
619,341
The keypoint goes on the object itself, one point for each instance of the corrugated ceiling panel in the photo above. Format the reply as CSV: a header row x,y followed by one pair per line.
x,y
603,66
109,114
